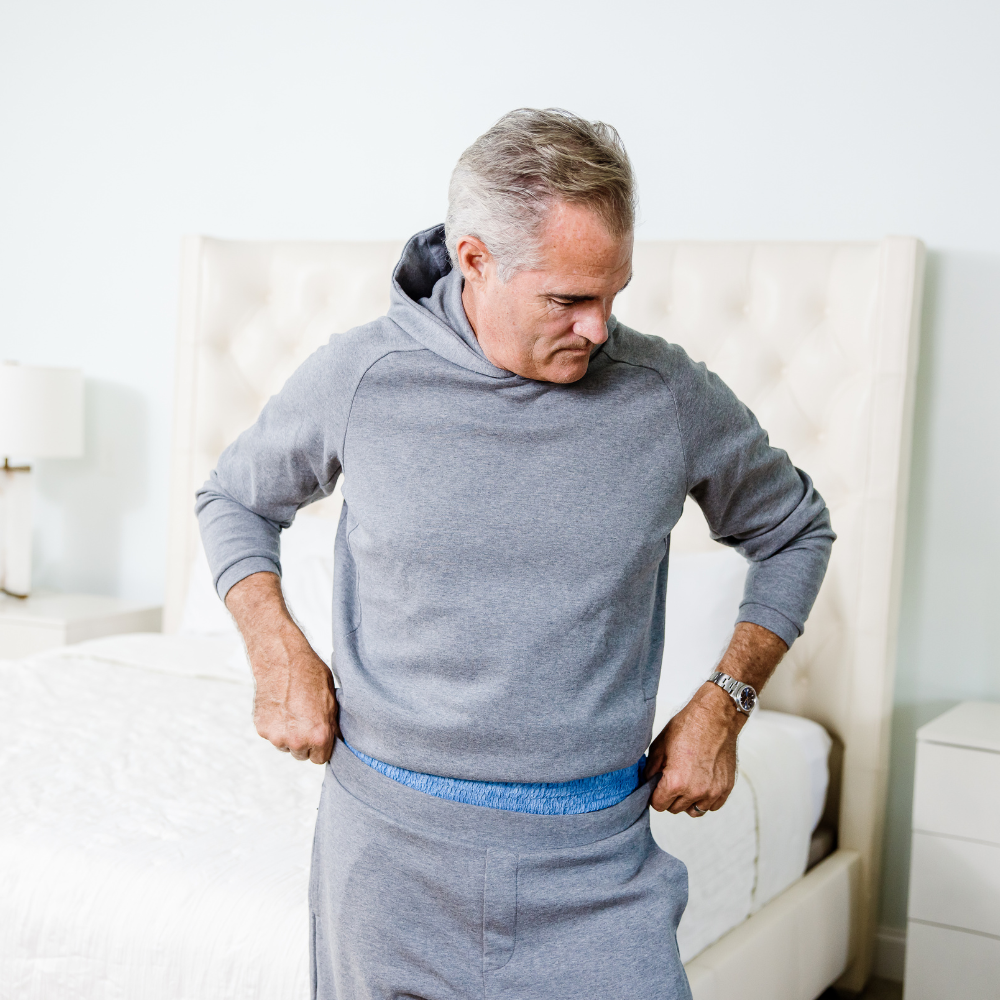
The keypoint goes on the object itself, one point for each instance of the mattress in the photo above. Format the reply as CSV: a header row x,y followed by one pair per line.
x,y
746,853
152,845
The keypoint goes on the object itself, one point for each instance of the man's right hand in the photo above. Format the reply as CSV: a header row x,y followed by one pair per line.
x,y
295,706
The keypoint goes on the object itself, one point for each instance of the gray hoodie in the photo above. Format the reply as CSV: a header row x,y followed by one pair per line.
x,y
501,558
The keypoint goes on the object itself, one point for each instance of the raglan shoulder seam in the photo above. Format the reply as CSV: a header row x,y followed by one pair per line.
x,y
673,399
361,378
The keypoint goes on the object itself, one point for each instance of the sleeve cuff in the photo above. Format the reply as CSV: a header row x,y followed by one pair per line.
x,y
241,570
774,621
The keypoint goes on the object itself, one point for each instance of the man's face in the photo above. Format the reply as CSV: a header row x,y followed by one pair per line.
x,y
544,324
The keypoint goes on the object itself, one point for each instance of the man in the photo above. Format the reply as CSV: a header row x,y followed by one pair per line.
x,y
514,460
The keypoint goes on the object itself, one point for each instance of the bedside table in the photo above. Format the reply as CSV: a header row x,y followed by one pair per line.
x,y
43,620
953,931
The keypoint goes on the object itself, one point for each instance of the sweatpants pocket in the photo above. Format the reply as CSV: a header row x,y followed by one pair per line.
x,y
499,908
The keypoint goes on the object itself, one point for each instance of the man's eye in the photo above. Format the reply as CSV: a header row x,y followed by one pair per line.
x,y
563,302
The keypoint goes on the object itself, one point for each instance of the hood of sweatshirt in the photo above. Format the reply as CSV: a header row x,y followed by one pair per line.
x,y
430,309
426,301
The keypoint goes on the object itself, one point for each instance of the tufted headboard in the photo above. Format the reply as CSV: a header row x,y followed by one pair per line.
x,y
820,341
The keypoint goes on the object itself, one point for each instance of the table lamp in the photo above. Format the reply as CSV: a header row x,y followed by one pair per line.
x,y
41,416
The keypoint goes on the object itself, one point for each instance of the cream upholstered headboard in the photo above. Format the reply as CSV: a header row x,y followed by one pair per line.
x,y
819,339
250,314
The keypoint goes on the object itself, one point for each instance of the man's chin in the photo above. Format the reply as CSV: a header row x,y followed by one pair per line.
x,y
566,370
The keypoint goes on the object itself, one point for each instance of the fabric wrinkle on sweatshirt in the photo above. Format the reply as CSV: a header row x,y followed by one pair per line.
x,y
502,554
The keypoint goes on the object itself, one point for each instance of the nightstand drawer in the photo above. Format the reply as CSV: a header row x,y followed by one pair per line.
x,y
943,964
955,882
956,792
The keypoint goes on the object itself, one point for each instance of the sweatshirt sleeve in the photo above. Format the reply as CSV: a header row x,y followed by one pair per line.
x,y
287,459
754,500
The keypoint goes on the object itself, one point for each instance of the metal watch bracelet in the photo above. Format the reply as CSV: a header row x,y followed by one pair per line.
x,y
744,696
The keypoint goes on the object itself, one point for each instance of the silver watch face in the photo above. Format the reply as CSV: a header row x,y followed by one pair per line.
x,y
748,699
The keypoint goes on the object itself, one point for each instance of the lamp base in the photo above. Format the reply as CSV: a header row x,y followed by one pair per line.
x,y
15,525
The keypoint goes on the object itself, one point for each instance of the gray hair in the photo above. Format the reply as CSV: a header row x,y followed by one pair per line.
x,y
506,181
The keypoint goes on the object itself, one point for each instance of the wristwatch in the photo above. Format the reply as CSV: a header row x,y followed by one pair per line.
x,y
744,695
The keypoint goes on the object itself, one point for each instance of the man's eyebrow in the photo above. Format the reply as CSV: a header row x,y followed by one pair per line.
x,y
583,298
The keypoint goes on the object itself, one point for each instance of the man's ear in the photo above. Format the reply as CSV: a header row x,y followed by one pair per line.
x,y
473,258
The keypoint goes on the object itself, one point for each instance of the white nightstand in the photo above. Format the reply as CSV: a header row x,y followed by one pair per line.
x,y
953,935
31,624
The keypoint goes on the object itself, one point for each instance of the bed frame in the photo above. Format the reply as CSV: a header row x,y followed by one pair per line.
x,y
820,340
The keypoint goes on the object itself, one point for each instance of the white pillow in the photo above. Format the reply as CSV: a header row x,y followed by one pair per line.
x,y
204,613
306,581
814,743
704,591
307,578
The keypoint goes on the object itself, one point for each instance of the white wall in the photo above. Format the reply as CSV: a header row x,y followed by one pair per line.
x,y
124,125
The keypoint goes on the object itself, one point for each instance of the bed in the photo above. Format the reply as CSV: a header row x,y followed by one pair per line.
x,y
163,850
160,792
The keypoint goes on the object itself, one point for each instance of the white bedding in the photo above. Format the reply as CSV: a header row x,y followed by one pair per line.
x,y
152,845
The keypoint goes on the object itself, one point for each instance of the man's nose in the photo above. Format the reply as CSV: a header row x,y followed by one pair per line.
x,y
592,326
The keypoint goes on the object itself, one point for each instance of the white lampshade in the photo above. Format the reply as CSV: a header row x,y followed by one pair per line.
x,y
41,412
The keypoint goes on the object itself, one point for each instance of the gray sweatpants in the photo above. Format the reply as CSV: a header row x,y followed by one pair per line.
x,y
420,897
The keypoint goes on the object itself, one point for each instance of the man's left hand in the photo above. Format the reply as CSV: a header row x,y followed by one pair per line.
x,y
696,753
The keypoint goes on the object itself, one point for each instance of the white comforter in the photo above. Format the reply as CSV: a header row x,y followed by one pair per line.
x,y
153,846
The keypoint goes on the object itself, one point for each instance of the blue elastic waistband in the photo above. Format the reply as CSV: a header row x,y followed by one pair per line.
x,y
559,798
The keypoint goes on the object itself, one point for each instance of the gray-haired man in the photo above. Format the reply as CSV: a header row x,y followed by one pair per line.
x,y
514,460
